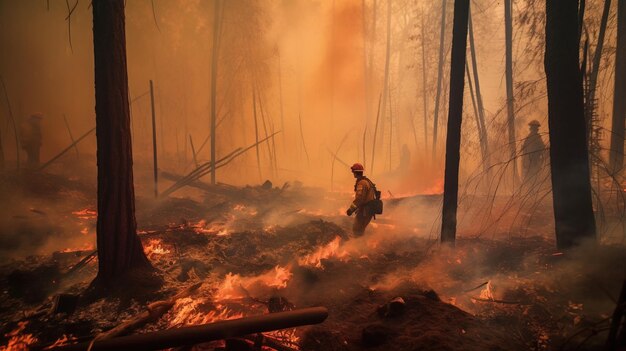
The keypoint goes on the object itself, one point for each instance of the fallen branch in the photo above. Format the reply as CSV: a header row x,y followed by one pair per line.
x,y
66,149
204,333
477,287
154,311
499,301
206,168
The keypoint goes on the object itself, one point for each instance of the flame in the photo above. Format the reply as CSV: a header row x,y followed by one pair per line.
x,y
219,229
63,340
189,312
486,293
17,340
246,210
324,252
234,286
86,214
154,248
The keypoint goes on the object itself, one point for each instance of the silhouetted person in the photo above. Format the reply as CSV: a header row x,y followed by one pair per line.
x,y
533,153
30,139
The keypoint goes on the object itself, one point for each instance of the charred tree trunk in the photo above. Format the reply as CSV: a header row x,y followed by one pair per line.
x,y
214,59
482,132
569,161
455,117
590,99
1,154
425,102
439,76
119,248
508,31
616,156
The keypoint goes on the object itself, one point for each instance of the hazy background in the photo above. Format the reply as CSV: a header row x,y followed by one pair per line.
x,y
306,59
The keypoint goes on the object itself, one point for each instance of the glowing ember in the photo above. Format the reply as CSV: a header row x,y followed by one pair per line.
x,y
64,340
486,293
324,252
84,247
17,340
155,248
86,214
219,229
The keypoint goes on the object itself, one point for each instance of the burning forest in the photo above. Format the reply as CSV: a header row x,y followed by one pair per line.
x,y
289,175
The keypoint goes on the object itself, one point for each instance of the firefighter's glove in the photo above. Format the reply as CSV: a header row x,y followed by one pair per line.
x,y
351,210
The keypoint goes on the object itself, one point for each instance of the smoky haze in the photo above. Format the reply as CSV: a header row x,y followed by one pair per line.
x,y
317,70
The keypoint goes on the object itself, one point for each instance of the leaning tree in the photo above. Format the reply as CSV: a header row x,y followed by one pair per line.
x,y
569,156
120,252
455,114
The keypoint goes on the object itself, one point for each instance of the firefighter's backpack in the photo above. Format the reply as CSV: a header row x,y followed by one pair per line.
x,y
375,206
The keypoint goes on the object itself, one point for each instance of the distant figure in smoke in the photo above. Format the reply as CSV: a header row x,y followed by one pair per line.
x,y
364,194
30,139
533,153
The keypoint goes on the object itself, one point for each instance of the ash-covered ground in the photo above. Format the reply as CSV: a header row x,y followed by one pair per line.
x,y
251,250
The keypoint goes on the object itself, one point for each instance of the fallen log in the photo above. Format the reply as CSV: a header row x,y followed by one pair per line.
x,y
204,333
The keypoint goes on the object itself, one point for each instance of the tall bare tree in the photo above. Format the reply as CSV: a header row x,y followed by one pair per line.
x,y
214,60
442,36
482,129
455,118
616,156
119,249
569,158
508,31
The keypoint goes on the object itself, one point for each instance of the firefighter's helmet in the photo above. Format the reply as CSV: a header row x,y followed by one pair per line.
x,y
357,167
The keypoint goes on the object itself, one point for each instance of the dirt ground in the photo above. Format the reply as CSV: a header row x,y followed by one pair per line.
x,y
258,246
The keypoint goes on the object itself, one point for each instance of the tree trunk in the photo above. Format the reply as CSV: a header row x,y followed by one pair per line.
x,y
366,81
484,140
616,156
119,247
569,158
386,78
154,143
214,59
425,107
508,31
439,76
595,69
1,154
455,117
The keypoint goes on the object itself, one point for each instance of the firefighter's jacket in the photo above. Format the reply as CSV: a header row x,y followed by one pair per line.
x,y
363,193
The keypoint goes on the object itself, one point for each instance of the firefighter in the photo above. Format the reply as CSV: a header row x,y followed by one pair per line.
x,y
30,139
364,192
533,153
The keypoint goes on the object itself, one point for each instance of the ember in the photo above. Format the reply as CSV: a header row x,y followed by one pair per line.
x,y
18,340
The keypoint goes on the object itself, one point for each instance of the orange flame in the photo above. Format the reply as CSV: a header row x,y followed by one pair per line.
x,y
17,340
324,252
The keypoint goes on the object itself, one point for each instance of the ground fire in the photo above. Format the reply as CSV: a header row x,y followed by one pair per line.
x,y
312,175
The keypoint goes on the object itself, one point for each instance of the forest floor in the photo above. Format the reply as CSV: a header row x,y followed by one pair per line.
x,y
256,247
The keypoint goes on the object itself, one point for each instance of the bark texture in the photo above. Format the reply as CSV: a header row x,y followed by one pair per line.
x,y
455,118
569,162
616,156
119,247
